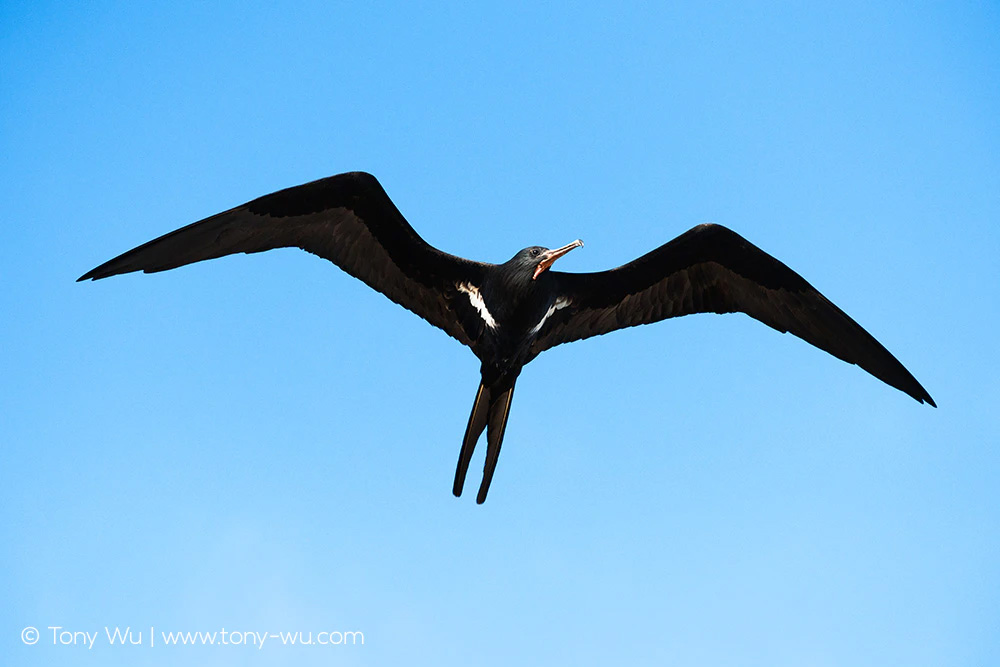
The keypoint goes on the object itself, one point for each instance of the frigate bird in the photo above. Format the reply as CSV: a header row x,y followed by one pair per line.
x,y
509,313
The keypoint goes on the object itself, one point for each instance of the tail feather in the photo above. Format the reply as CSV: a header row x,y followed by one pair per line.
x,y
499,411
477,423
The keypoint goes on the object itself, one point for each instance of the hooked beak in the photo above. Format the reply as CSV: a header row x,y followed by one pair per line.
x,y
552,255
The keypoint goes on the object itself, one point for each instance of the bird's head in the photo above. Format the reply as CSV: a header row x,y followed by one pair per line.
x,y
536,259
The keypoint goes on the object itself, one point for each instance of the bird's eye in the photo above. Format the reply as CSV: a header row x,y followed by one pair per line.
x,y
534,253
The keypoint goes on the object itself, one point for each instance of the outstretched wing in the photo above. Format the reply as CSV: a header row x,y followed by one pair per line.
x,y
347,219
711,269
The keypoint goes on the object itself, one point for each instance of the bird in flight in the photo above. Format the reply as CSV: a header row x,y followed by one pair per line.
x,y
509,313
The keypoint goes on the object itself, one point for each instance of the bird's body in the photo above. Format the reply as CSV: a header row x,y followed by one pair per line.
x,y
509,313
514,303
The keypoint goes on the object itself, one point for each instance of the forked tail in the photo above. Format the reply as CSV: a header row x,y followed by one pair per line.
x,y
489,412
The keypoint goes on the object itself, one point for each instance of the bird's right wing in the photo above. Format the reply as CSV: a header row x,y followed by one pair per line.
x,y
711,269
347,219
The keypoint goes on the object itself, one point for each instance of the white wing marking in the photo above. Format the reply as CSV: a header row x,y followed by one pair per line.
x,y
476,299
560,303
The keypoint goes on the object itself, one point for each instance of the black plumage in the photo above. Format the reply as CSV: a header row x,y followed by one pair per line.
x,y
509,313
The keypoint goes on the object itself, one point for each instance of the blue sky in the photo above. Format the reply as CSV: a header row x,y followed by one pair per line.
x,y
261,443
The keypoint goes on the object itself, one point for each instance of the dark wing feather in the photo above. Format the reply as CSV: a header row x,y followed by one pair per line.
x,y
711,269
347,219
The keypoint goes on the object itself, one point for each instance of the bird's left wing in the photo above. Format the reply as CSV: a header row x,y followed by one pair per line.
x,y
711,269
347,219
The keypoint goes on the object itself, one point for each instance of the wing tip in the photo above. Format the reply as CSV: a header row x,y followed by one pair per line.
x,y
97,274
93,274
116,268
917,391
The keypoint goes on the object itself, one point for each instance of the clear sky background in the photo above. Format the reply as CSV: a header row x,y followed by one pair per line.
x,y
262,443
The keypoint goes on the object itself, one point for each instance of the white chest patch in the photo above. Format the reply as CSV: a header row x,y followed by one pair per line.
x,y
476,299
559,304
